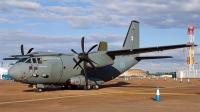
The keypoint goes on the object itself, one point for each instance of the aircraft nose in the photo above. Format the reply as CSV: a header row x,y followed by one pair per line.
x,y
14,72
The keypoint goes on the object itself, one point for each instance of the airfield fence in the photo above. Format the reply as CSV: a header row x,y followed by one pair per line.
x,y
188,74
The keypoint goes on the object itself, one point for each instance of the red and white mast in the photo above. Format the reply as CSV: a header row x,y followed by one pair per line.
x,y
190,56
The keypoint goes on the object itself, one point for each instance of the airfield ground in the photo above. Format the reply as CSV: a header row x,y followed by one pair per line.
x,y
115,96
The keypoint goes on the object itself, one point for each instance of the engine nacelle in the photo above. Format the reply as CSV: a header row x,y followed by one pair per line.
x,y
101,58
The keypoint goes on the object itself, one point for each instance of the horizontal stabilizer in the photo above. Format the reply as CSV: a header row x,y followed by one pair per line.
x,y
151,57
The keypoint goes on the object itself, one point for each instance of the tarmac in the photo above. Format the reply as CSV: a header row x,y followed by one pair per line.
x,y
134,95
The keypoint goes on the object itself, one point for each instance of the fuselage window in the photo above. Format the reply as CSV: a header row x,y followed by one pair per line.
x,y
30,69
39,60
35,69
28,60
34,60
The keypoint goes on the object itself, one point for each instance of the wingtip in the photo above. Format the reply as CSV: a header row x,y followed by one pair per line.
x,y
191,45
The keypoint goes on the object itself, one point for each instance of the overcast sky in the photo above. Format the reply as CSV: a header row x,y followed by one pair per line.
x,y
58,26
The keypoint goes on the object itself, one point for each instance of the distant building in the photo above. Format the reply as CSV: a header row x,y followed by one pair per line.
x,y
135,73
170,76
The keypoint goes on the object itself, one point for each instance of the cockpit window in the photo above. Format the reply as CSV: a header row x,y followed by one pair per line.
x,y
34,60
21,60
39,60
28,60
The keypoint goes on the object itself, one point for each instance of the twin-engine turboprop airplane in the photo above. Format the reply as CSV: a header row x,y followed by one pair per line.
x,y
88,69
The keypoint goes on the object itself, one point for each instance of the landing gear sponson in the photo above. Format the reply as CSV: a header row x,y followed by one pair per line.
x,y
40,87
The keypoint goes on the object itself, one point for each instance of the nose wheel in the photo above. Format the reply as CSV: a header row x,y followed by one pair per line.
x,y
37,89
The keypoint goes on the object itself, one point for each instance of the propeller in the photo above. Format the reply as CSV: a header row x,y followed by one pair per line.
x,y
16,57
84,57
22,49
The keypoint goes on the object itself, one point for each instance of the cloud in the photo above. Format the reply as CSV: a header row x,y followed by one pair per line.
x,y
160,66
92,15
66,10
24,4
12,39
178,62
156,14
3,7
34,24
8,21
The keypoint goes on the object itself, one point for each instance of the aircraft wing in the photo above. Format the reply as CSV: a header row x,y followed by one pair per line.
x,y
151,57
10,58
16,57
148,49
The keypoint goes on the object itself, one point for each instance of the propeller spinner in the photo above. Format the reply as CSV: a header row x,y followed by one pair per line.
x,y
84,57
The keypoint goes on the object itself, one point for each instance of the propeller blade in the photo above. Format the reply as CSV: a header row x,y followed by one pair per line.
x,y
85,73
29,50
74,51
92,48
77,63
82,44
22,49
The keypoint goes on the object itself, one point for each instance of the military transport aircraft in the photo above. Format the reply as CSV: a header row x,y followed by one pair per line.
x,y
87,69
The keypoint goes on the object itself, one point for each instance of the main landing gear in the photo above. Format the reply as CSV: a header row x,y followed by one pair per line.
x,y
40,87
94,87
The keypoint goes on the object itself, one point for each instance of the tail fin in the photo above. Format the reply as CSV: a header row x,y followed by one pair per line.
x,y
103,46
132,37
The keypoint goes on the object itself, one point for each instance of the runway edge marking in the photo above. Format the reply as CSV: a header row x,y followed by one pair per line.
x,y
160,93
22,101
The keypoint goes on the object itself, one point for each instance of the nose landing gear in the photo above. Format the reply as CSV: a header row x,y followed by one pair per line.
x,y
38,88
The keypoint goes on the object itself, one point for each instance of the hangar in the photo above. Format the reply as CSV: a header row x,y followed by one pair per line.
x,y
135,73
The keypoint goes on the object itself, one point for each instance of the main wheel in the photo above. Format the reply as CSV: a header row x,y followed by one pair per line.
x,y
87,87
95,87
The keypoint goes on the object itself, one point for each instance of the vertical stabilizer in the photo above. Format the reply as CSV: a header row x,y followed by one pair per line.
x,y
103,46
132,37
